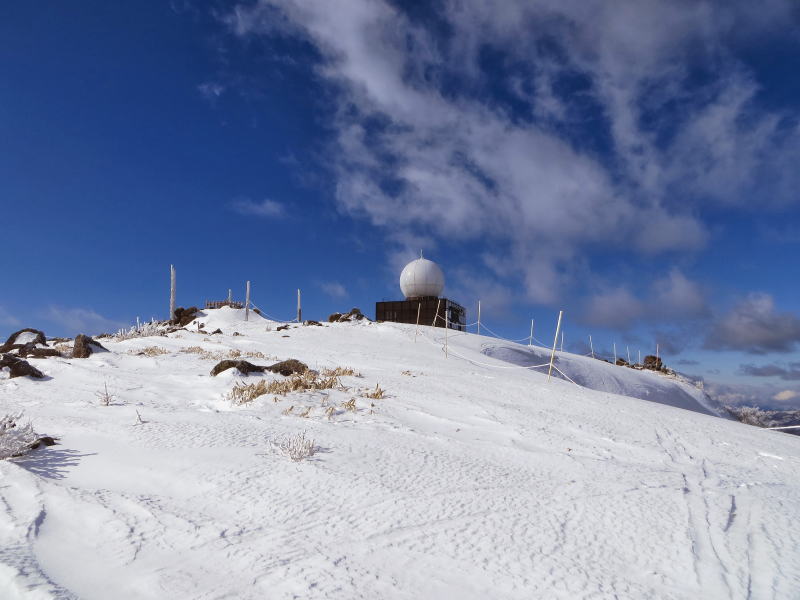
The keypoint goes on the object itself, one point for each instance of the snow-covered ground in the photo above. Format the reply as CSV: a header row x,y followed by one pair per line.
x,y
472,478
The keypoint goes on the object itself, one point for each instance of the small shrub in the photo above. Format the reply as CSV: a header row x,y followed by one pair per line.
x,y
305,413
298,447
105,397
15,439
350,405
288,411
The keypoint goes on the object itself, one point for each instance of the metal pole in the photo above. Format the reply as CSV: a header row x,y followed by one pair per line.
x,y
628,350
416,331
436,316
171,292
591,346
656,353
615,352
446,327
479,317
530,339
247,302
640,357
230,295
555,340
299,308
562,341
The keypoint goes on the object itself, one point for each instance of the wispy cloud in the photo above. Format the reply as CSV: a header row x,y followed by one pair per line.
x,y
82,320
415,153
334,289
7,319
267,208
788,373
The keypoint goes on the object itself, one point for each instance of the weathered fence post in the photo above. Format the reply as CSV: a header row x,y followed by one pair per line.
x,y
171,292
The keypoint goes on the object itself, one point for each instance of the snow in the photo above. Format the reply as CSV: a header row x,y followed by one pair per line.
x,y
472,478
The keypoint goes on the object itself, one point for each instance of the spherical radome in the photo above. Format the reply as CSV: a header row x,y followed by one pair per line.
x,y
421,277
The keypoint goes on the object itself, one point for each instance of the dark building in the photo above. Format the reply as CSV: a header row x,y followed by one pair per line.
x,y
405,311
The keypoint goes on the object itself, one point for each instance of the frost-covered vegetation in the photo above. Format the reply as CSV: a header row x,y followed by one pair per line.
x,y
16,438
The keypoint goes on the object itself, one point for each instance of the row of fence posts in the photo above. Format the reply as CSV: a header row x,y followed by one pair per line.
x,y
172,290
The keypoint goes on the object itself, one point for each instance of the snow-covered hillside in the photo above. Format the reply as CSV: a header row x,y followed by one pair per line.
x,y
471,478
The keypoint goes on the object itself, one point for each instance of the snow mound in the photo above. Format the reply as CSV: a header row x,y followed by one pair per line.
x,y
606,377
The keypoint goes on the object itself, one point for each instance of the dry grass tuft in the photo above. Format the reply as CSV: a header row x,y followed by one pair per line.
x,y
350,405
300,382
341,372
150,351
376,394
243,393
232,354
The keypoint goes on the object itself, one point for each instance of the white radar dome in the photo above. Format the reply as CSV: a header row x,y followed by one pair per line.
x,y
421,277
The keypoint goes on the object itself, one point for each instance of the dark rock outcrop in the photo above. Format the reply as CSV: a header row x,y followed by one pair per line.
x,y
653,363
12,342
282,328
217,331
355,314
243,367
288,367
83,346
31,349
621,362
19,367
315,323
184,316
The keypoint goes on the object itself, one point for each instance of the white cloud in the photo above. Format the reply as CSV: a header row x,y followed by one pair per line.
x,y
786,395
412,154
82,320
266,208
615,308
334,289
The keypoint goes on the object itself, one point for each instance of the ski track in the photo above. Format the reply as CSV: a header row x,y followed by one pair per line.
x,y
466,482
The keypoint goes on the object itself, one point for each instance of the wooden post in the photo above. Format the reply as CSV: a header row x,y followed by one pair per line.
x,y
416,331
436,316
171,292
530,339
247,302
479,317
591,346
299,308
555,341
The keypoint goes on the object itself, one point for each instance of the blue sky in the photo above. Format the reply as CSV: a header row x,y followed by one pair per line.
x,y
632,163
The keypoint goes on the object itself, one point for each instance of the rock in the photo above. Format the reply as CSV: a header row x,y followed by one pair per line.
x,y
621,362
184,316
84,346
22,337
653,363
34,336
288,367
19,367
257,311
282,328
216,331
31,349
243,366
355,314
236,333
316,323
43,441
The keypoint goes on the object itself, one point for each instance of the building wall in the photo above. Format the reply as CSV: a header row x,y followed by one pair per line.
x,y
405,311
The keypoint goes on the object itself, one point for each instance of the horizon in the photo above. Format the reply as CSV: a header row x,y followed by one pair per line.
x,y
634,166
